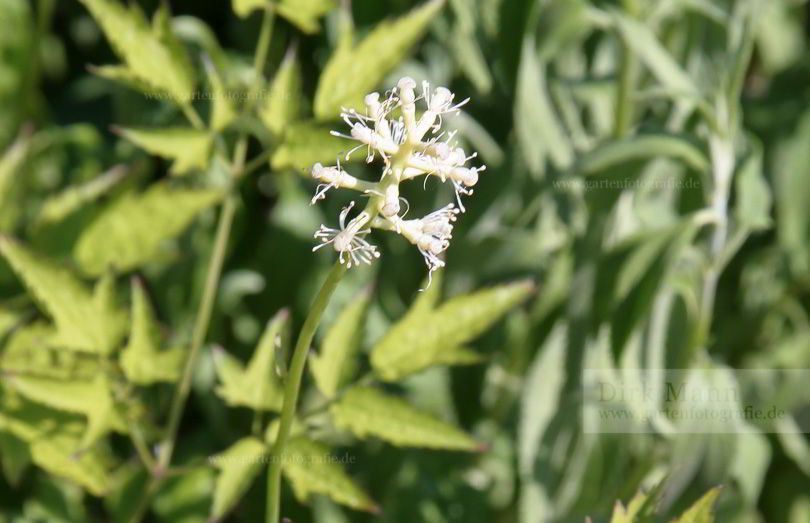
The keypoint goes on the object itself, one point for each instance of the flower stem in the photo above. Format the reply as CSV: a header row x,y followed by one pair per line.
x,y
628,73
200,327
292,387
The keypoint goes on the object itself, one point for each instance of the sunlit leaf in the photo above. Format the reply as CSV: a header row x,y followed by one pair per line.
x,y
223,112
368,412
309,468
150,54
53,439
93,399
57,207
418,340
132,229
82,323
702,511
188,148
351,73
142,360
238,467
281,107
305,13
257,386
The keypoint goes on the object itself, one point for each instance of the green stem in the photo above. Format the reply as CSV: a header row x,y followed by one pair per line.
x,y
200,328
192,115
628,73
292,387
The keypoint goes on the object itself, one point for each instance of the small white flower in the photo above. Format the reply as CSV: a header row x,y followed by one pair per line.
x,y
349,241
389,127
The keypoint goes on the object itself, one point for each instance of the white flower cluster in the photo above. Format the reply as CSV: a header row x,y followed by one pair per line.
x,y
409,147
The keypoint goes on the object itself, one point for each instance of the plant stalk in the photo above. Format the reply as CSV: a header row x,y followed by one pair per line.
x,y
292,388
200,327
628,74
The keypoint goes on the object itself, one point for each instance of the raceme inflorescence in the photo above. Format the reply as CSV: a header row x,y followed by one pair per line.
x,y
409,147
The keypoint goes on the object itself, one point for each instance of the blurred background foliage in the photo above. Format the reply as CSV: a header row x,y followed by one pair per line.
x,y
698,256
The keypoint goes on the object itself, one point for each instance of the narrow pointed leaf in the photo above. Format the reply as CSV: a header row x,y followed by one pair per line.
x,y
132,229
308,467
643,147
368,412
658,60
539,130
335,362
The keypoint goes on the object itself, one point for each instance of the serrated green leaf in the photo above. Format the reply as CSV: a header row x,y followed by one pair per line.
x,y
257,386
188,148
658,60
418,340
368,412
151,55
642,147
82,323
351,73
238,467
335,362
130,231
309,468
306,143
538,129
702,511
93,399
61,205
283,102
30,351
305,13
53,438
142,360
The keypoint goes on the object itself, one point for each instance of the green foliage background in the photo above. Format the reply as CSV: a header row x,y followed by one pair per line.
x,y
645,206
